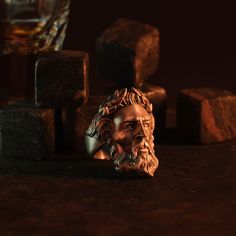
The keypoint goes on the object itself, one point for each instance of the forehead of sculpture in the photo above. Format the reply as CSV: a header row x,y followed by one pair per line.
x,y
133,112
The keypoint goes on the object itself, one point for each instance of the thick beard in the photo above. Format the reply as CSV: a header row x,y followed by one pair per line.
x,y
142,163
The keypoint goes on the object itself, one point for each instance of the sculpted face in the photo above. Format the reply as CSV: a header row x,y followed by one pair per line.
x,y
122,131
132,126
132,140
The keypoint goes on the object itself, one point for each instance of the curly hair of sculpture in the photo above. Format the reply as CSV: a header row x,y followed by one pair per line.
x,y
122,131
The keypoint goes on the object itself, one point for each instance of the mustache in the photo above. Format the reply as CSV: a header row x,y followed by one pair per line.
x,y
136,151
144,148
142,159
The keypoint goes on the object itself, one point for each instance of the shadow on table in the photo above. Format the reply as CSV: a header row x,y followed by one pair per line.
x,y
172,137
80,166
65,167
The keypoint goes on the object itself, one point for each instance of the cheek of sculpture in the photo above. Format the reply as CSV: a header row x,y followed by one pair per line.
x,y
122,139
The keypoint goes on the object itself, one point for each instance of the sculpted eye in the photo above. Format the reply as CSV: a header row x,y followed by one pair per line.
x,y
146,124
130,126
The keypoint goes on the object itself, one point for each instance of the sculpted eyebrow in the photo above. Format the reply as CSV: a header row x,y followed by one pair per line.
x,y
131,121
135,120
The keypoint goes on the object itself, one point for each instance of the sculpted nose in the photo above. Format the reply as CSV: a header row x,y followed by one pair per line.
x,y
141,133
139,137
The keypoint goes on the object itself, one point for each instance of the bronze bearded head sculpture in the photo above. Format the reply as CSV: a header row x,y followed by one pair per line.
x,y
122,131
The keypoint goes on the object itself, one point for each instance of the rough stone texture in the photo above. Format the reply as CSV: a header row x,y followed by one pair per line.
x,y
76,122
128,52
62,79
26,132
157,96
206,115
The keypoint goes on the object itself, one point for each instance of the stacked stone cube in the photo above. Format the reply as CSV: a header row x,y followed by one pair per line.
x,y
31,129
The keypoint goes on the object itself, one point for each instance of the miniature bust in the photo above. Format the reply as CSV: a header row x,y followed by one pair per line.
x,y
122,131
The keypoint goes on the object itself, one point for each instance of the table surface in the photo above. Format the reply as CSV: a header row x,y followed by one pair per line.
x,y
193,193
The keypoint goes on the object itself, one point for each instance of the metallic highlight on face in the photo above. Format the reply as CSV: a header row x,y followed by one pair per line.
x,y
124,125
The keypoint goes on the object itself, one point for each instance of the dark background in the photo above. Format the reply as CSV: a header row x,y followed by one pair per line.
x,y
197,39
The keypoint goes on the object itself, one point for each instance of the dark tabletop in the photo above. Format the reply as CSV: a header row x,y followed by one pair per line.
x,y
193,193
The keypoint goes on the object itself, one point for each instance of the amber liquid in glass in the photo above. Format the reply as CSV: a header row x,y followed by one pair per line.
x,y
17,69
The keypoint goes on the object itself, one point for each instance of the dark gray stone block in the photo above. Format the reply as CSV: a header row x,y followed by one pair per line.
x,y
128,52
62,79
26,132
206,115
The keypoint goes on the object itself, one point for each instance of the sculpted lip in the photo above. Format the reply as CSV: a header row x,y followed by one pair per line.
x,y
144,150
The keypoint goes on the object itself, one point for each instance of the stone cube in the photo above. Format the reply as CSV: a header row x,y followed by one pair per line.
x,y
26,132
128,52
206,115
62,79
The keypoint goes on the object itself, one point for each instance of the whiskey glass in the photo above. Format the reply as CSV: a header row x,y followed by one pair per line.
x,y
30,26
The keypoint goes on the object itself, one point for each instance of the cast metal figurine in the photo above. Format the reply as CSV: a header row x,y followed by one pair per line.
x,y
122,131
